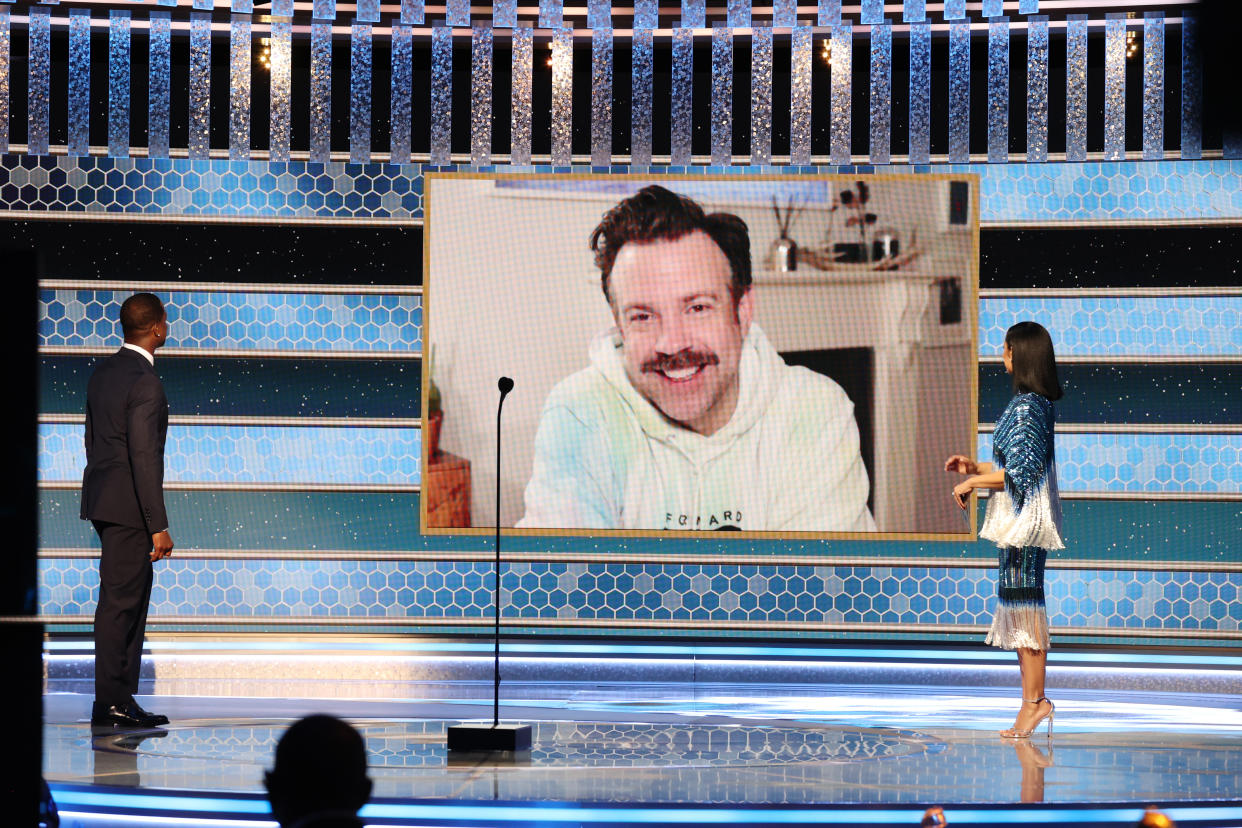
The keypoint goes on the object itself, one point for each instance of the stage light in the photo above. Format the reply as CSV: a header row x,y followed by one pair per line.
x,y
265,53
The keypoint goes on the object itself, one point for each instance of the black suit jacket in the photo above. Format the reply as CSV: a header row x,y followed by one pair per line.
x,y
126,423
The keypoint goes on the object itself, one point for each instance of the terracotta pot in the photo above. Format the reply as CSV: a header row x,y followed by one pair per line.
x,y
431,433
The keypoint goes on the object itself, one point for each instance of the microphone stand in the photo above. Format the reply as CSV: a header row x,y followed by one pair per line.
x,y
475,737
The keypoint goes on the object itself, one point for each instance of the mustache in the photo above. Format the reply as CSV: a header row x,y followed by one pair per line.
x,y
688,358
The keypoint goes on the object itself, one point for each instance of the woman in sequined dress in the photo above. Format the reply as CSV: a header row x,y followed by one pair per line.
x,y
1024,512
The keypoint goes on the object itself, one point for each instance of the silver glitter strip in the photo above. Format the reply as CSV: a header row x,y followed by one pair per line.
x,y
1028,6
829,13
959,92
801,55
738,16
6,68
1192,88
920,93
159,85
520,101
360,93
1115,86
993,8
239,86
79,96
784,14
321,93
914,11
118,82
480,95
1037,88
881,92
601,97
1076,87
242,6
693,14
646,14
412,12
761,96
562,97
842,103
441,94
681,112
200,85
722,94
599,14
872,12
323,10
401,114
38,80
1153,86
203,5
280,106
954,9
368,11
641,74
504,14
281,8
174,2
551,14
457,13
998,90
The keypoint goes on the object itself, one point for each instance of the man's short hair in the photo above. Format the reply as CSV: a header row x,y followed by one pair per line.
x,y
321,765
656,214
139,312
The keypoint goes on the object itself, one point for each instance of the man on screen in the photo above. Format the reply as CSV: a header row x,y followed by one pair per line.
x,y
687,417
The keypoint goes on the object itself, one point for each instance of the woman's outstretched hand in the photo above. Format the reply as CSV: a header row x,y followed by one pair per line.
x,y
961,464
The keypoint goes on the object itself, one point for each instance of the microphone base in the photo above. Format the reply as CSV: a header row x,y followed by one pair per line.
x,y
478,737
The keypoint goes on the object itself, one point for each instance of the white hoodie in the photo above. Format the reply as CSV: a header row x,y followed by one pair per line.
x,y
787,461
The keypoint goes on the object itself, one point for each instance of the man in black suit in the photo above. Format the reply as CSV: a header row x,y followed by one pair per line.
x,y
123,496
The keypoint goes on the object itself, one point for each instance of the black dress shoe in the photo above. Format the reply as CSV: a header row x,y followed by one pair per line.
x,y
123,715
153,718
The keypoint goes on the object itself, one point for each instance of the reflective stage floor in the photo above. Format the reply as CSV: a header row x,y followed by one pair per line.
x,y
610,753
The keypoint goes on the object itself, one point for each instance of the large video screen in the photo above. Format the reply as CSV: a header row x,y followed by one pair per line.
x,y
765,356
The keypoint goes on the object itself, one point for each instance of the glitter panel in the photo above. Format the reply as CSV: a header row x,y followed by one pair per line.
x,y
368,11
693,14
872,12
829,13
914,11
504,14
993,8
1192,88
722,94
959,92
281,8
203,5
1076,87
280,101
954,9
646,14
681,111
441,94
1115,87
38,80
242,6
360,93
457,13
551,14
200,85
321,92
1028,6
1037,88
562,97
239,87
881,92
920,93
481,95
800,58
118,82
412,12
401,113
784,14
599,14
6,66
842,73
601,97
738,14
998,90
323,10
1153,86
520,102
159,85
641,72
761,96
79,81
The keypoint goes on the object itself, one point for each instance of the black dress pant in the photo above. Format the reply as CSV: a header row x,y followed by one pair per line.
x,y
125,575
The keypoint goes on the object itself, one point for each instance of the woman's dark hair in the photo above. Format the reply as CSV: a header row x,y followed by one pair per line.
x,y
1034,363
654,214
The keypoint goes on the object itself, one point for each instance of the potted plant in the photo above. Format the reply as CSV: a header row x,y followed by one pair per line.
x,y
435,414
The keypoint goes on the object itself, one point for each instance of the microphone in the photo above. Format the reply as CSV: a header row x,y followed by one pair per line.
x,y
505,385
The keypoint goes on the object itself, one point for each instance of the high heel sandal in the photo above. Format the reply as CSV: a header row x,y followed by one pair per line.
x,y
1014,733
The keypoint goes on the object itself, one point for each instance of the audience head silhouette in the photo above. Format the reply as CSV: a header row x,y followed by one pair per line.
x,y
320,777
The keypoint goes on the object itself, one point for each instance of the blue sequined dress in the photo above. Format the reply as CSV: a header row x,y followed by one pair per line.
x,y
1024,519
